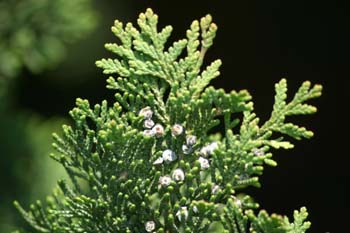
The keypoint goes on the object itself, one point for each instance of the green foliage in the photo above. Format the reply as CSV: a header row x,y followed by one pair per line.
x,y
34,33
153,161
25,171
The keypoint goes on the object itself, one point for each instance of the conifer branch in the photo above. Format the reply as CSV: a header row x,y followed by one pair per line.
x,y
152,161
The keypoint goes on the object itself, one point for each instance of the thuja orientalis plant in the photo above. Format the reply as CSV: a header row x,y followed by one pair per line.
x,y
151,161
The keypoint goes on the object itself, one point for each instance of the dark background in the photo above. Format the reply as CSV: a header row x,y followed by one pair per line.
x,y
259,42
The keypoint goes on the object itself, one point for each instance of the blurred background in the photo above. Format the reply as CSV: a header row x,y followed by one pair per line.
x,y
47,54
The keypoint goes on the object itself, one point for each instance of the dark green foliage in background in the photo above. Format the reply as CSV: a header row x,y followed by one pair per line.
x,y
25,170
142,180
34,35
